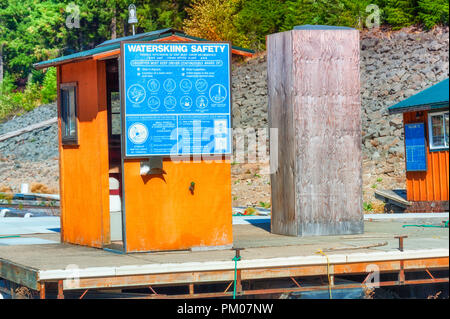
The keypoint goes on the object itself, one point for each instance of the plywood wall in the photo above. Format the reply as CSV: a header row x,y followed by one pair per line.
x,y
313,78
84,167
163,214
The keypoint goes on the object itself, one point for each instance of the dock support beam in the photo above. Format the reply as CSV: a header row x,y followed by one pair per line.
x,y
42,290
60,290
238,282
401,274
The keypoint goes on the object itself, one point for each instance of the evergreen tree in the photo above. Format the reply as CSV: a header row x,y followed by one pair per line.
x,y
215,20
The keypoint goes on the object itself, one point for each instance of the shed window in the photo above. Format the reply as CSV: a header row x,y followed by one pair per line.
x,y
438,130
69,131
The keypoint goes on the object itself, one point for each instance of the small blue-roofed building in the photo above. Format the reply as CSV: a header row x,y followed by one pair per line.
x,y
97,179
426,127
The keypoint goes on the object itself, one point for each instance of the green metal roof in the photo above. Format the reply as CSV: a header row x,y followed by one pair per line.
x,y
153,35
433,97
111,45
75,56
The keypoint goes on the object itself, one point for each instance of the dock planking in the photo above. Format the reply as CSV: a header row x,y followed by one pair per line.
x,y
265,256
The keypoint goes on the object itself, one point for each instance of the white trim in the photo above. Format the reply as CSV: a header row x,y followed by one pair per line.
x,y
405,216
161,268
430,131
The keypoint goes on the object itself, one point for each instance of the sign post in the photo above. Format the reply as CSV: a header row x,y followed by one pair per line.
x,y
176,99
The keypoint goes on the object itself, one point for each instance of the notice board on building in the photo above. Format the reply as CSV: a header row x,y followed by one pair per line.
x,y
415,147
176,98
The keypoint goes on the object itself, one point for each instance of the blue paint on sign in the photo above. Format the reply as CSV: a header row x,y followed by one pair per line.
x,y
416,153
177,98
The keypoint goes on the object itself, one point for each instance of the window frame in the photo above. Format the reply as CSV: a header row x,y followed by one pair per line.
x,y
65,139
430,131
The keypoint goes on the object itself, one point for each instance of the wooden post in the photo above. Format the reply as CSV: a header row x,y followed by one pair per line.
x,y
60,290
42,290
314,102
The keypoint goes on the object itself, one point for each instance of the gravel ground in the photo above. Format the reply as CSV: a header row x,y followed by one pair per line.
x,y
13,173
251,187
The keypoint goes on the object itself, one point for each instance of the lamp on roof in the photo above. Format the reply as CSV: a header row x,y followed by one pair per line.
x,y
132,16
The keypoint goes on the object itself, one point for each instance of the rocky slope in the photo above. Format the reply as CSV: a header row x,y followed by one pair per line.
x,y
31,157
394,66
34,146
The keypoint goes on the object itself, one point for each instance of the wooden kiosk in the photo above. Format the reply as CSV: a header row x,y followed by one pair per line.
x,y
180,204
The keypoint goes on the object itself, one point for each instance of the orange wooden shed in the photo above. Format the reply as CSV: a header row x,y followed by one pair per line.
x,y
426,124
156,212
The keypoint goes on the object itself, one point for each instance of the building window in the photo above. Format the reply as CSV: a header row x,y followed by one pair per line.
x,y
69,130
438,130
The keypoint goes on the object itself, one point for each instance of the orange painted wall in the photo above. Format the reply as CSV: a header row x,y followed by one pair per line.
x,y
162,214
84,168
432,185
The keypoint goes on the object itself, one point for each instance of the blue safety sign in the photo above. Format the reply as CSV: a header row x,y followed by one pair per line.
x,y
415,147
176,98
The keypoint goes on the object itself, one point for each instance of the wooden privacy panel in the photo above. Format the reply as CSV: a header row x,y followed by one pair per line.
x,y
314,101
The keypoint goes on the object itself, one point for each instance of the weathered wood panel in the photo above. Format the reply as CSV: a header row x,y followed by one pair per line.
x,y
280,82
320,152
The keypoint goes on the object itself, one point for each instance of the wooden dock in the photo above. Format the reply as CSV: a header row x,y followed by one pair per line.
x,y
59,270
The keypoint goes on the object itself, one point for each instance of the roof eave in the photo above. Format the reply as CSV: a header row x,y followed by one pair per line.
x,y
40,66
116,46
139,37
417,108
76,57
